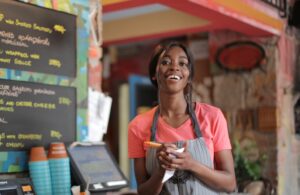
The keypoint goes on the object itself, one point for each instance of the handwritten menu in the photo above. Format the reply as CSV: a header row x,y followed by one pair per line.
x,y
34,114
37,39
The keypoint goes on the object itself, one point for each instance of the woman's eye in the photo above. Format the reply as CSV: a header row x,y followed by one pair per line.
x,y
183,64
165,62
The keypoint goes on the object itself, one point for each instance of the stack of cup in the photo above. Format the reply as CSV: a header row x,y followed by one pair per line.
x,y
40,171
60,169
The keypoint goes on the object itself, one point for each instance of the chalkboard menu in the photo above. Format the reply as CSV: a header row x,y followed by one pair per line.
x,y
37,39
34,114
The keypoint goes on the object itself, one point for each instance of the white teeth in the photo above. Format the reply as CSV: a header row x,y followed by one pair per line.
x,y
174,77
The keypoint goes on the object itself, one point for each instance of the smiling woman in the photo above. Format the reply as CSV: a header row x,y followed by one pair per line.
x,y
206,165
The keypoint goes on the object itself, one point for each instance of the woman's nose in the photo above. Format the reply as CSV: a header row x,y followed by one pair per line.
x,y
174,65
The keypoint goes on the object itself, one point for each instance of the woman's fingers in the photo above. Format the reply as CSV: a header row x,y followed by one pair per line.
x,y
170,167
168,158
169,146
165,157
165,163
170,162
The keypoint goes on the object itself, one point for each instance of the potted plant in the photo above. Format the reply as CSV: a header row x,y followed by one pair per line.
x,y
248,163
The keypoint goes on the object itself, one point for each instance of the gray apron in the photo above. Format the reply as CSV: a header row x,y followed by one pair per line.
x,y
182,182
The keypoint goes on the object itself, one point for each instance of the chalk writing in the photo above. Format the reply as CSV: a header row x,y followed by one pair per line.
x,y
14,145
14,43
35,56
1,17
9,136
2,120
10,103
9,21
31,136
8,93
22,23
16,53
59,28
55,63
34,40
5,60
37,44
64,100
44,105
22,62
55,134
6,109
6,34
21,89
35,114
43,91
23,103
2,136
41,28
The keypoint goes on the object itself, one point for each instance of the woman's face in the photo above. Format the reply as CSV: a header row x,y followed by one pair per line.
x,y
172,71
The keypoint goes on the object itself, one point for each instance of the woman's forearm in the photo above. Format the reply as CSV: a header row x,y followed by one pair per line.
x,y
153,185
216,179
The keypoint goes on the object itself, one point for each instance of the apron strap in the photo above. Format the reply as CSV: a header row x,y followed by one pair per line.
x,y
194,121
154,124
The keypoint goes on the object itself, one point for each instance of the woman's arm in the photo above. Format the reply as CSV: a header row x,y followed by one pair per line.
x,y
146,185
153,185
222,178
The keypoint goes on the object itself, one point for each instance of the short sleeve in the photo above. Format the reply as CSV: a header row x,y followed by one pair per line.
x,y
135,143
221,139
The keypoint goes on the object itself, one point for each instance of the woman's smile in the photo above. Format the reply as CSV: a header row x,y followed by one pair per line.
x,y
174,77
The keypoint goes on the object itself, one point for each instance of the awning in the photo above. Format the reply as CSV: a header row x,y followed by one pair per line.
x,y
133,20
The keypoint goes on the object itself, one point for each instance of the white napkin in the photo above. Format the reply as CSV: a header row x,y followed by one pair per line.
x,y
169,174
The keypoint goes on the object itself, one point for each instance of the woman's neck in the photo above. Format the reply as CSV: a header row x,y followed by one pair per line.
x,y
171,106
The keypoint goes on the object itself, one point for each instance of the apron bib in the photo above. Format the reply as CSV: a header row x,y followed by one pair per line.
x,y
182,182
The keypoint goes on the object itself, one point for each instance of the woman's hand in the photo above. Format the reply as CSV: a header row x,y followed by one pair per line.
x,y
165,156
183,160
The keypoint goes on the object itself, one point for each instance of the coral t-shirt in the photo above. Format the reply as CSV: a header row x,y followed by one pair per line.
x,y
213,127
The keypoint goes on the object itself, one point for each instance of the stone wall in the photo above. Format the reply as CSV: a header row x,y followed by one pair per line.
x,y
247,99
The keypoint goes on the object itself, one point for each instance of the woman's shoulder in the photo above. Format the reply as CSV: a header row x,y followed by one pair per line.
x,y
204,109
143,118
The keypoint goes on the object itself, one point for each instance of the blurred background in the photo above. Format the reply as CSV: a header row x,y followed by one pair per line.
x,y
247,63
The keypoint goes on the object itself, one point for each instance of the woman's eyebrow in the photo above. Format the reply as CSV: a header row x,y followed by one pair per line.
x,y
168,56
183,57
